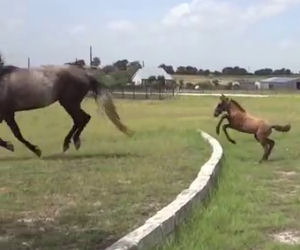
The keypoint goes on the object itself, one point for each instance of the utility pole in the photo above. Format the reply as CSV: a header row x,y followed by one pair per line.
x,y
91,55
28,62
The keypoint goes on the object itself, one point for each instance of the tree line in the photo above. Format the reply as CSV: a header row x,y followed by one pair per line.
x,y
191,70
129,68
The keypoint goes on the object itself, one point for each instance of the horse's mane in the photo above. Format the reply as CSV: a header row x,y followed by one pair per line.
x,y
238,105
7,70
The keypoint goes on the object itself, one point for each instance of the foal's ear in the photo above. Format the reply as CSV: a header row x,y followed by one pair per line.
x,y
223,98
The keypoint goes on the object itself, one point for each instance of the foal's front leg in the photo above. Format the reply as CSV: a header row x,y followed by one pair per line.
x,y
225,116
225,132
11,122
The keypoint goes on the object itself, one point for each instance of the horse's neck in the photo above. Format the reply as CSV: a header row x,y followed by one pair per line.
x,y
235,109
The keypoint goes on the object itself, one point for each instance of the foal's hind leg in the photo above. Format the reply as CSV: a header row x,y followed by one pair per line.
x,y
84,118
271,145
11,122
266,147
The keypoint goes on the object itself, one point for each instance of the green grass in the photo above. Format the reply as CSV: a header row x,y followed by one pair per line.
x,y
253,201
89,198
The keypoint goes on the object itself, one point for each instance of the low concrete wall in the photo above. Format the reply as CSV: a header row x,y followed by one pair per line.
x,y
158,227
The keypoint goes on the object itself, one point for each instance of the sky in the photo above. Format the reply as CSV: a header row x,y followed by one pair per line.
x,y
208,34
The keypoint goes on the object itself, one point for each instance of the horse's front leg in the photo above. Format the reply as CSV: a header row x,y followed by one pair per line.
x,y
225,116
225,126
8,145
11,122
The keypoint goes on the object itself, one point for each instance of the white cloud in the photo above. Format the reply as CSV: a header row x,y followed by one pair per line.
x,y
214,14
121,26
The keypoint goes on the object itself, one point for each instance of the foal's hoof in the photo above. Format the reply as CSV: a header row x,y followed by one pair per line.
x,y
10,146
37,151
233,142
218,132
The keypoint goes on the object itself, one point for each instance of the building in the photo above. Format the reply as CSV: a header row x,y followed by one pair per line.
x,y
279,83
142,75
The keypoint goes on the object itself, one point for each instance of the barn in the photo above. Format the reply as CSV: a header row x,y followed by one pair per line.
x,y
142,75
279,83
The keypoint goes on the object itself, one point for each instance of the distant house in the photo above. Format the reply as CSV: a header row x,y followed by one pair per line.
x,y
279,83
142,75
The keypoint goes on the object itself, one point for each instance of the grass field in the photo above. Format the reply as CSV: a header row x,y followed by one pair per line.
x,y
254,202
89,198
86,199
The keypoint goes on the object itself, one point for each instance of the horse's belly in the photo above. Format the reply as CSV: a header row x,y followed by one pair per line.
x,y
33,98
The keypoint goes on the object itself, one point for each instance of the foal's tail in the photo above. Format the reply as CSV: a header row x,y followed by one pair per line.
x,y
104,99
285,128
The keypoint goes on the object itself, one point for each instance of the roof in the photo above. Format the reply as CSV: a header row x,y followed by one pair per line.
x,y
280,79
146,72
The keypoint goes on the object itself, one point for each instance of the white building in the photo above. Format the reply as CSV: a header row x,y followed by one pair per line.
x,y
143,74
279,83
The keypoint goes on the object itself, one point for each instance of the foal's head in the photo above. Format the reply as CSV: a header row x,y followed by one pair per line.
x,y
222,106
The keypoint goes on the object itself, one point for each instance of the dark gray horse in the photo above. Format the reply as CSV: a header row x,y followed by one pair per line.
x,y
22,89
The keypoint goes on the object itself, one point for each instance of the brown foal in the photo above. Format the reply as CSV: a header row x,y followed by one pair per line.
x,y
240,120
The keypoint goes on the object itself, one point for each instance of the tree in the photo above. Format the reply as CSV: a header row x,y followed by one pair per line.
x,y
121,64
109,69
1,61
190,70
79,63
96,62
181,70
263,72
234,71
168,68
282,71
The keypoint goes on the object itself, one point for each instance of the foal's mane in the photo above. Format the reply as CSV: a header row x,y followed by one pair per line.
x,y
238,105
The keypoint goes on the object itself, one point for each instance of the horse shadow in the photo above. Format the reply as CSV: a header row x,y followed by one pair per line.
x,y
70,157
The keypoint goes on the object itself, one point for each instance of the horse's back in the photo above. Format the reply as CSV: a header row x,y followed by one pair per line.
x,y
40,87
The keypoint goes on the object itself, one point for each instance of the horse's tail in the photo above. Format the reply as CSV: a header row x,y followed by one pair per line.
x,y
104,99
285,128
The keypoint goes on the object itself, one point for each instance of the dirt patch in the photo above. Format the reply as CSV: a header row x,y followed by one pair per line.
x,y
286,174
287,237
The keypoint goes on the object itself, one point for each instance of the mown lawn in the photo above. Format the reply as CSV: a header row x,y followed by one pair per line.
x,y
90,198
253,202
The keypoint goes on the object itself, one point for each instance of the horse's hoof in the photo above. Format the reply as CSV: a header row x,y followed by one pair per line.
x,y
77,144
262,160
233,142
65,147
10,146
37,151
218,132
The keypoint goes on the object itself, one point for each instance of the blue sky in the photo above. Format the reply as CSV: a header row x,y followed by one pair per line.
x,y
204,33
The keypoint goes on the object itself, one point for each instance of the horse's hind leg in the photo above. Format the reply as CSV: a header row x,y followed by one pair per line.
x,y
11,122
84,118
71,110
